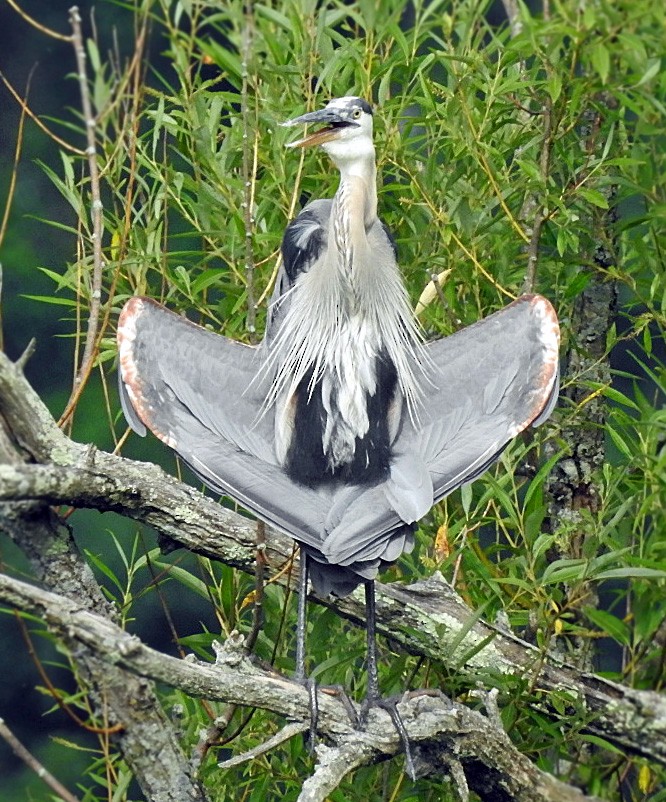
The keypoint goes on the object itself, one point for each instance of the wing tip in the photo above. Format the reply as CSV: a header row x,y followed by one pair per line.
x,y
548,333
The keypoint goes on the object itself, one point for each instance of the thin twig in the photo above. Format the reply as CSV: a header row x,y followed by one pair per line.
x,y
64,145
539,214
439,215
248,172
28,351
287,732
31,761
31,21
55,693
259,580
136,94
17,158
96,206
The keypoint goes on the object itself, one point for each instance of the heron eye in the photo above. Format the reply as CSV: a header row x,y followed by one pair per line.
x,y
356,114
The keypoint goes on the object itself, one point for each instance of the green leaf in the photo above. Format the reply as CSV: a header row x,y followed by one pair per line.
x,y
631,572
536,484
600,58
614,395
603,744
554,86
619,441
609,624
653,70
186,579
466,497
542,544
565,570
577,284
104,569
594,197
50,299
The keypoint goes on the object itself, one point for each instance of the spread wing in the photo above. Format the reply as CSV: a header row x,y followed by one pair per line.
x,y
489,382
485,384
172,370
203,395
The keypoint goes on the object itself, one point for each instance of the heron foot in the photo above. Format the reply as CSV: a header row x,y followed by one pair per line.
x,y
390,704
310,685
345,698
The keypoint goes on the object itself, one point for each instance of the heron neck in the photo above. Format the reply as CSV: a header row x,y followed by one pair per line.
x,y
358,190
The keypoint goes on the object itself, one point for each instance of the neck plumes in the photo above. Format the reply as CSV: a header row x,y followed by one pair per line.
x,y
349,337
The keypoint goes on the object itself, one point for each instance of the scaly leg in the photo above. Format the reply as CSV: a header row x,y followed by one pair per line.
x,y
301,627
373,699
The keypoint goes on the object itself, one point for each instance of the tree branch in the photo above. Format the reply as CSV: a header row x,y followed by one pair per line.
x,y
117,697
427,618
97,209
435,725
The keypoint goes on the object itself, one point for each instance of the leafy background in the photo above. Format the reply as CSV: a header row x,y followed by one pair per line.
x,y
483,129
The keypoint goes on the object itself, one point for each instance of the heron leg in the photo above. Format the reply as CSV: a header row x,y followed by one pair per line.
x,y
301,624
373,698
301,677
372,695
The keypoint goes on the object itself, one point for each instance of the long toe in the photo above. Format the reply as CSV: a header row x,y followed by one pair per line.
x,y
345,698
390,704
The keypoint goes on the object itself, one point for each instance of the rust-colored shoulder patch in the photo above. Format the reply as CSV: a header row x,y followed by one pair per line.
x,y
130,371
548,333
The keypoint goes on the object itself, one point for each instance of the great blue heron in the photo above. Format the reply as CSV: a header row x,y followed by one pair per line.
x,y
342,428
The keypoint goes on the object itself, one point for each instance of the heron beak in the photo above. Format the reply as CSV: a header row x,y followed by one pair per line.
x,y
331,119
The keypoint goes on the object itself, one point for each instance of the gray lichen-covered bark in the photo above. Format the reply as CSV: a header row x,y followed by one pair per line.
x,y
440,730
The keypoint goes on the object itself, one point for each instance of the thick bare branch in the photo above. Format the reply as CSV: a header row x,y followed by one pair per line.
x,y
435,725
125,702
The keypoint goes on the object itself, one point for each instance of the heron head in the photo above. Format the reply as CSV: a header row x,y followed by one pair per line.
x,y
346,132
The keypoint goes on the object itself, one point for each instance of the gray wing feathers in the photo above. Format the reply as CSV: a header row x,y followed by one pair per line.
x,y
131,417
170,365
488,382
202,394
195,390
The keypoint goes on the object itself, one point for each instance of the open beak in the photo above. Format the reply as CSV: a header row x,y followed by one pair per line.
x,y
332,121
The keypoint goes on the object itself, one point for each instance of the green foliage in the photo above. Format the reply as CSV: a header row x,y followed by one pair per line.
x,y
481,129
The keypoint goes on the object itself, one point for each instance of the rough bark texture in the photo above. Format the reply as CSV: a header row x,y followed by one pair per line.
x,y
573,484
146,740
437,727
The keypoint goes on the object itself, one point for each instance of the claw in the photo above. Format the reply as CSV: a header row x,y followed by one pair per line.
x,y
391,707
